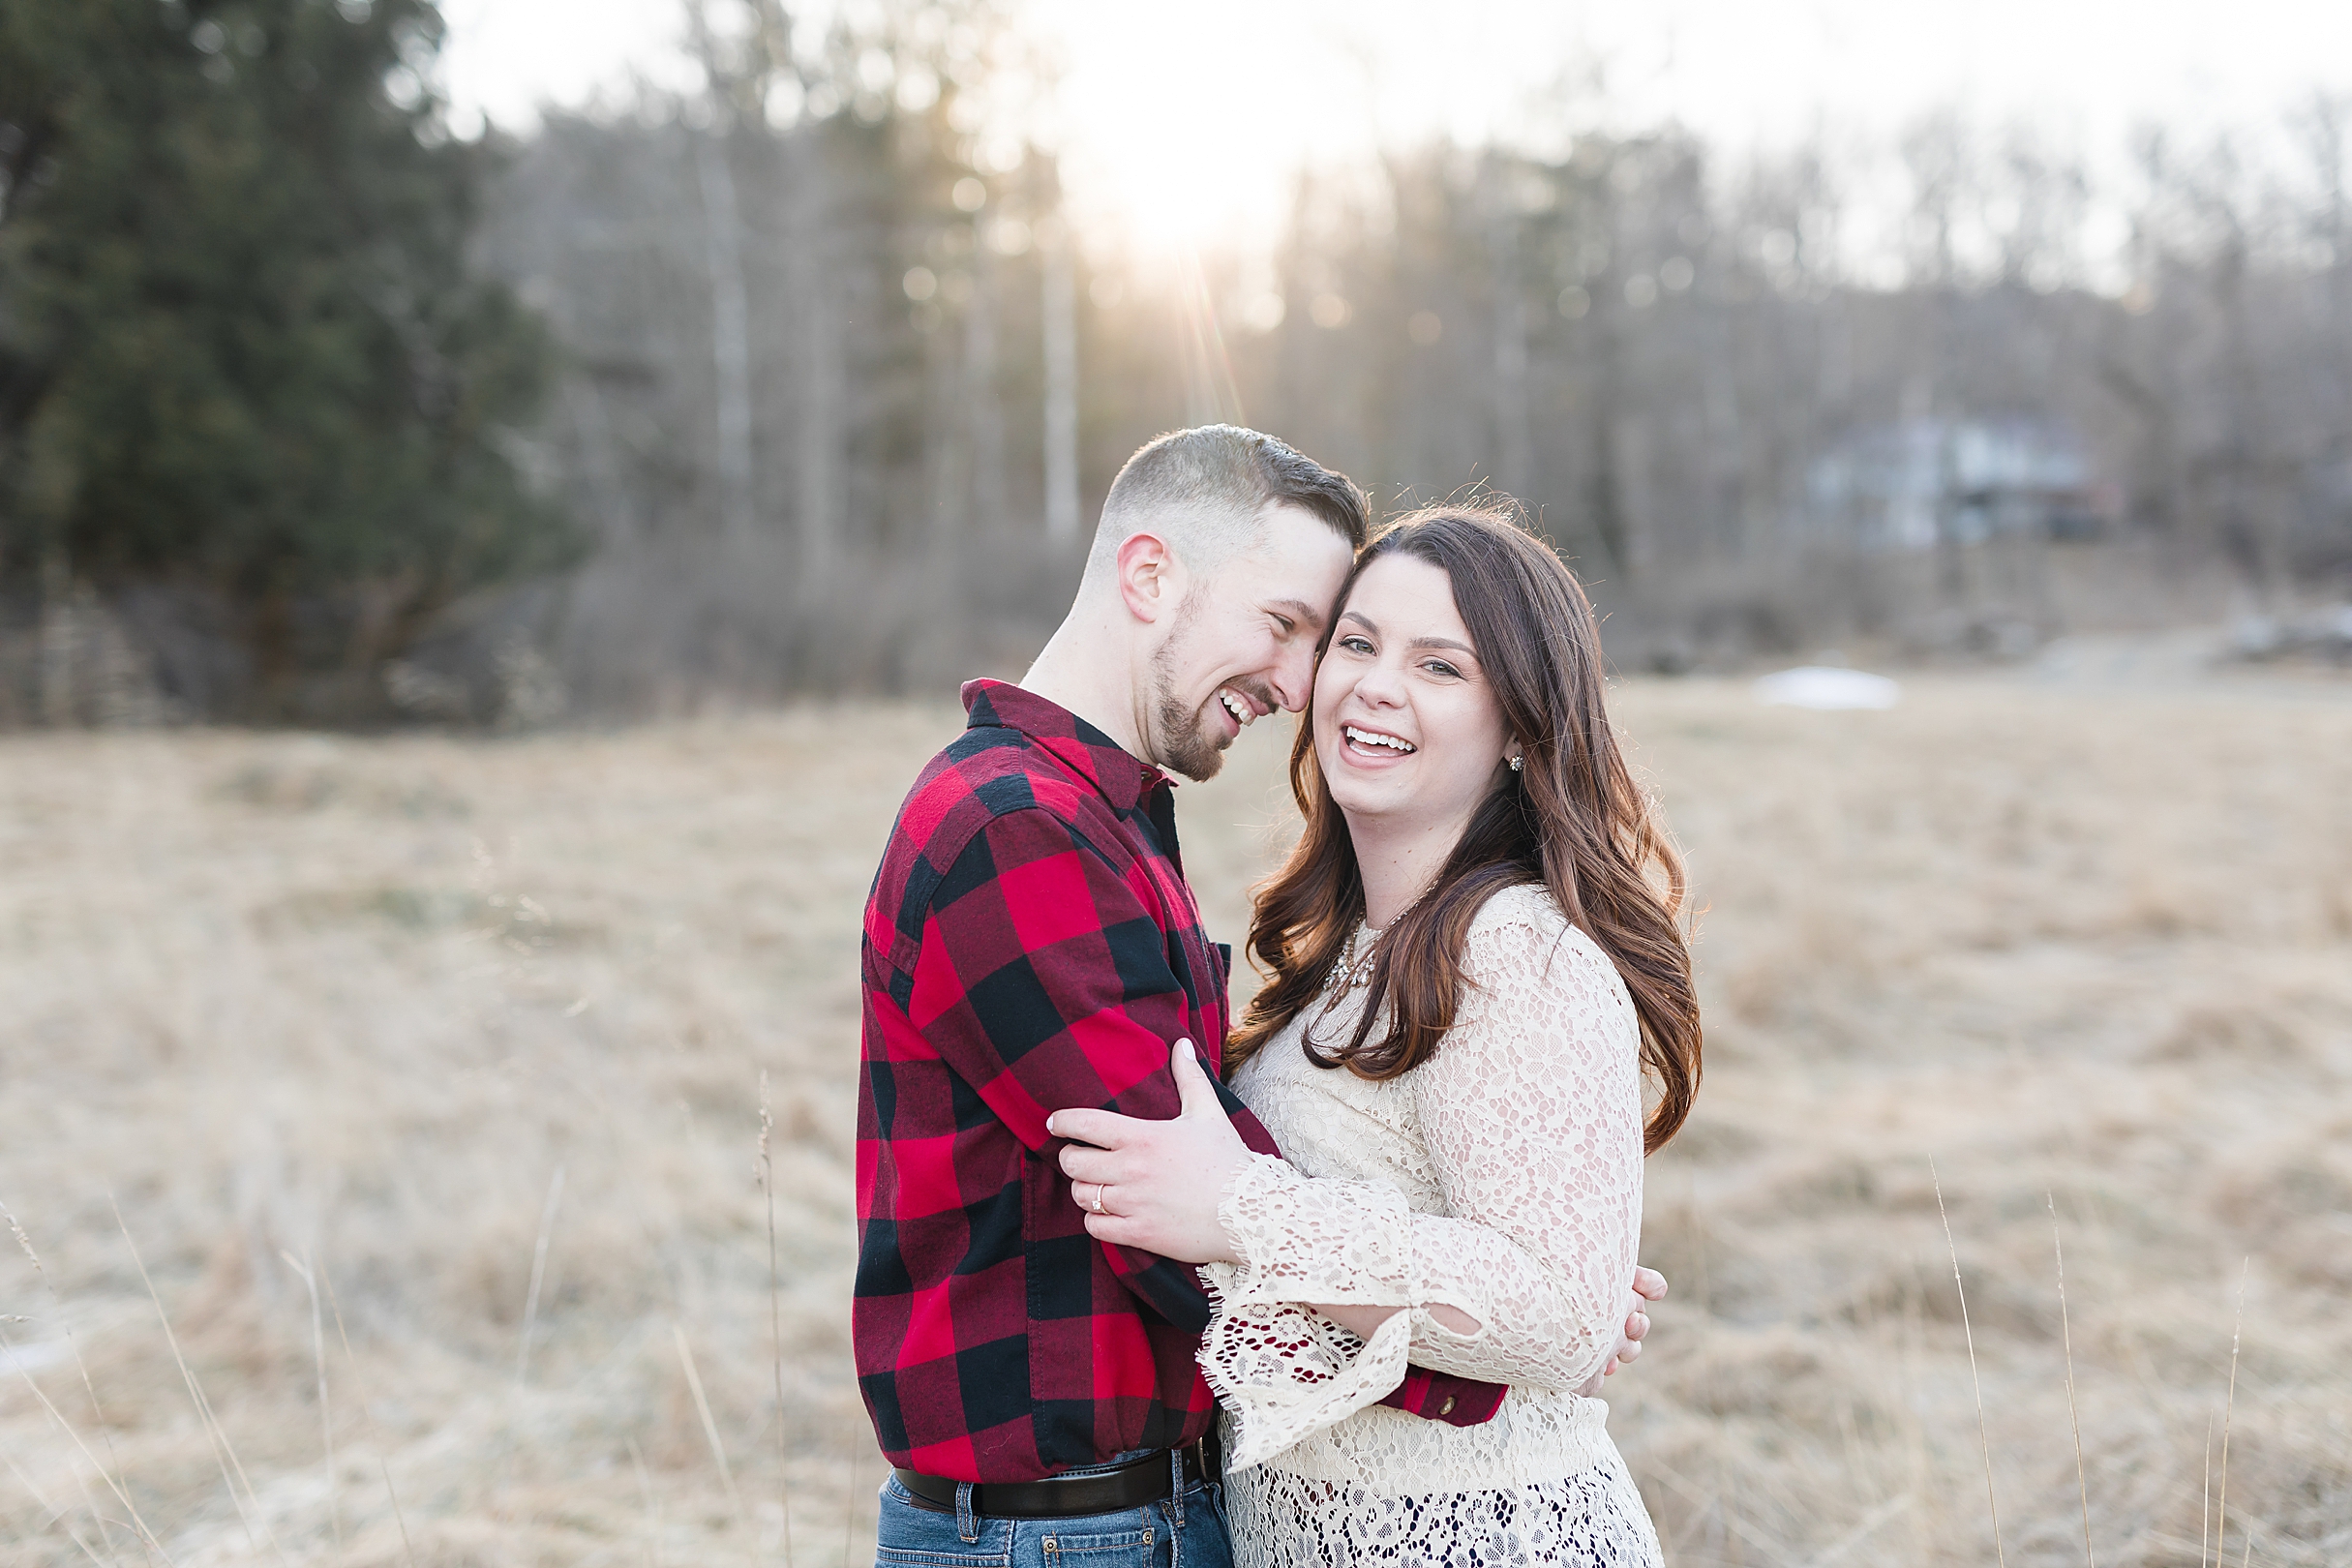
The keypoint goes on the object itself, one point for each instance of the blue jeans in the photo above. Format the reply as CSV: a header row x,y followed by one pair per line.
x,y
1187,1532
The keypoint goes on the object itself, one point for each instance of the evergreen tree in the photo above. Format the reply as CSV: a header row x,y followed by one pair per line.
x,y
242,353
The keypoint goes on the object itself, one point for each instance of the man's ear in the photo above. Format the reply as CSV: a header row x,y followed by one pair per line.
x,y
1151,579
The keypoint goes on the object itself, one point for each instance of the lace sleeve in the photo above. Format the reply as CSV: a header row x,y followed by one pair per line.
x,y
1531,1112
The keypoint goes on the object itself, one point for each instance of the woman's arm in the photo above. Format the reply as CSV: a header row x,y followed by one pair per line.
x,y
1365,1321
1171,1173
1649,1286
1531,1111
1533,1114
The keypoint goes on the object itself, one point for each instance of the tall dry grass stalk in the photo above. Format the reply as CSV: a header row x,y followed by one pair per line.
x,y
2087,945
326,1409
538,1275
111,1467
1984,1436
775,1312
399,1521
2230,1410
710,1431
2205,1516
225,1452
2074,1414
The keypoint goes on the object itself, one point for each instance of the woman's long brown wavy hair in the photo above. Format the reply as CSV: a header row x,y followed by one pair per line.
x,y
1574,821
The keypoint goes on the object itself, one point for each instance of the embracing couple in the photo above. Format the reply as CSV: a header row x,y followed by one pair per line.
x,y
1387,1222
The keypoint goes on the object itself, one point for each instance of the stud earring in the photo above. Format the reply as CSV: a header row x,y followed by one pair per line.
x,y
1518,765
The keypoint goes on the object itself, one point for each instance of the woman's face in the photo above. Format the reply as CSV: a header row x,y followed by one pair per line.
x,y
1407,730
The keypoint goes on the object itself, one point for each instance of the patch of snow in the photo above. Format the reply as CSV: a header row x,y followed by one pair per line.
x,y
1826,688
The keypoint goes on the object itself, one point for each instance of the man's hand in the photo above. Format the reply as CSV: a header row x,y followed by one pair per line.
x,y
1155,1186
1649,1286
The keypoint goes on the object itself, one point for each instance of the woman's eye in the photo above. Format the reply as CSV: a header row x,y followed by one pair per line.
x,y
1440,667
1355,645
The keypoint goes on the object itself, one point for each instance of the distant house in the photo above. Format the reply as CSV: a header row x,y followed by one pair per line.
x,y
1906,485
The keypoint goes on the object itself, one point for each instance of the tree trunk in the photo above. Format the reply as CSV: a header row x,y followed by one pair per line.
x,y
980,405
1514,460
823,377
730,331
1061,397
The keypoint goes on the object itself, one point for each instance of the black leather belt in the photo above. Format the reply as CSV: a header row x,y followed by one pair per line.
x,y
1137,1484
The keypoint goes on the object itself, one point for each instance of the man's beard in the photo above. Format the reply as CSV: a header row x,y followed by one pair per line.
x,y
1189,741
1183,740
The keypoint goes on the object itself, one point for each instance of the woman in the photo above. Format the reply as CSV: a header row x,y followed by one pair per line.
x,y
1474,956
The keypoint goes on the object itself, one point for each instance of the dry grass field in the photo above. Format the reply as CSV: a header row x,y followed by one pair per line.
x,y
385,1116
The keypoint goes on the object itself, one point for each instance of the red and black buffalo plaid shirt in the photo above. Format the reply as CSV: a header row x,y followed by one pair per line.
x,y
1031,945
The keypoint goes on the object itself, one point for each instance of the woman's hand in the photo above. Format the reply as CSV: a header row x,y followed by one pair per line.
x,y
1155,1186
1649,1286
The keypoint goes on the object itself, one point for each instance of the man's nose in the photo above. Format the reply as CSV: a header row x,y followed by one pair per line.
x,y
1293,681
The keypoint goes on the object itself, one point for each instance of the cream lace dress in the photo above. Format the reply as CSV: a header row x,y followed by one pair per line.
x,y
1503,1177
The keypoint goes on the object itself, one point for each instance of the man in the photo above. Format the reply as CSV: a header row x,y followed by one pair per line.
x,y
1031,945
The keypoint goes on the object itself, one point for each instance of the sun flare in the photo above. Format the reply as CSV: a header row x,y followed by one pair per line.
x,y
1172,134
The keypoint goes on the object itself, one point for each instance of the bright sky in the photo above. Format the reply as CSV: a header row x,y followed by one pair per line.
x,y
1186,121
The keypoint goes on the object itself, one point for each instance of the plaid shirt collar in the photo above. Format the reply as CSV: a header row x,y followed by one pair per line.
x,y
1116,774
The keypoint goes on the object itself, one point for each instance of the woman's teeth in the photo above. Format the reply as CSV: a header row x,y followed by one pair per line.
x,y
1365,738
1242,711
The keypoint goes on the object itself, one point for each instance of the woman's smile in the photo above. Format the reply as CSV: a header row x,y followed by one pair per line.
x,y
1368,746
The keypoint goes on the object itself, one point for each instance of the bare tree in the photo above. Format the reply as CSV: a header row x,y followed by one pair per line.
x,y
1061,349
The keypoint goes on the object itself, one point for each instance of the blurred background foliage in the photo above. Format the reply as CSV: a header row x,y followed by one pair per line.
x,y
808,379
253,394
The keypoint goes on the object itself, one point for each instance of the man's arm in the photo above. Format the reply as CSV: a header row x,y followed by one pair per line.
x,y
1044,983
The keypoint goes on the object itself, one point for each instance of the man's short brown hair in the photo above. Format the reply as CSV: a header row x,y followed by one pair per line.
x,y
1213,482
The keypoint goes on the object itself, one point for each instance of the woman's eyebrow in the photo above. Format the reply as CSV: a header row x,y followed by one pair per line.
x,y
1418,641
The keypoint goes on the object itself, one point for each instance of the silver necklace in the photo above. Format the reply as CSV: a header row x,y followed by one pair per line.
x,y
1354,971
1350,970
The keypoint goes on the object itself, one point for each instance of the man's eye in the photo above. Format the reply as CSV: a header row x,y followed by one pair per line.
x,y
1286,624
